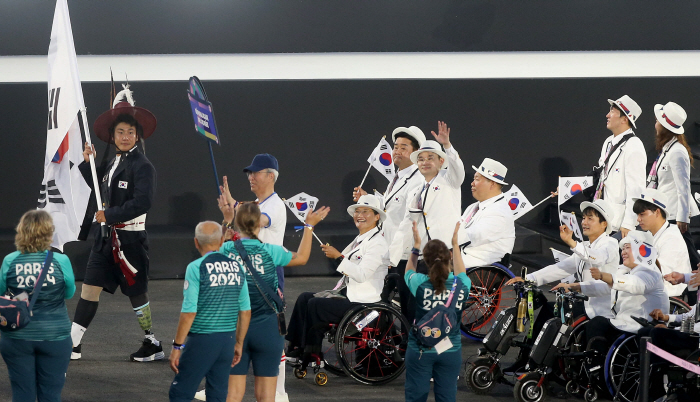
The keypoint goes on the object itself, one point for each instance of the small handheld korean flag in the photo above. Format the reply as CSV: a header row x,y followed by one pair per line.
x,y
569,219
301,204
570,186
381,159
517,201
560,256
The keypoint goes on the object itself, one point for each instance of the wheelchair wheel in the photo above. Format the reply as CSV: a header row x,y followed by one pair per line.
x,y
478,376
677,306
330,357
487,297
374,353
622,369
529,388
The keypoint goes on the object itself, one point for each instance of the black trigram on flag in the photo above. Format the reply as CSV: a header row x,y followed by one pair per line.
x,y
567,184
50,192
388,171
384,147
585,184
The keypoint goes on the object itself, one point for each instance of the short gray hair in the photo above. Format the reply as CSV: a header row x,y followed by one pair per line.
x,y
274,172
203,237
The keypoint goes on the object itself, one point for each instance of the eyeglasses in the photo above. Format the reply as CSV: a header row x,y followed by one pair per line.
x,y
259,171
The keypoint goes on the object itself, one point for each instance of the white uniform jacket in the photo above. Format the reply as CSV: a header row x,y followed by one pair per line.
x,y
396,199
435,206
673,255
623,178
366,264
673,172
489,234
635,292
603,254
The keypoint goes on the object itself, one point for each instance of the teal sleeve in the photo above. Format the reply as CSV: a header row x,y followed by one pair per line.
x,y
466,282
68,275
4,270
280,255
226,248
414,280
244,298
191,288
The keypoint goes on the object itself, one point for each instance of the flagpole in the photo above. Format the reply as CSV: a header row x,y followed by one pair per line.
x,y
537,205
213,165
98,197
366,173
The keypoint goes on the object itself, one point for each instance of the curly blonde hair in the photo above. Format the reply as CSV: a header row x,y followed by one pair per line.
x,y
34,232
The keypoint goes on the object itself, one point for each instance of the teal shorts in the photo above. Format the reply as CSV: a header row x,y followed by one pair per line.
x,y
262,347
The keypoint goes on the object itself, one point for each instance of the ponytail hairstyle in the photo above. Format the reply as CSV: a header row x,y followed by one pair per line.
x,y
437,256
248,219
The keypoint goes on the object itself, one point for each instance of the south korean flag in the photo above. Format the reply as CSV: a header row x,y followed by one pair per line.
x,y
517,201
569,220
301,204
571,186
381,159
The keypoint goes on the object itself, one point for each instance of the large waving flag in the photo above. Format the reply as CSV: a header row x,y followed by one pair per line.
x,y
517,201
570,186
64,193
381,159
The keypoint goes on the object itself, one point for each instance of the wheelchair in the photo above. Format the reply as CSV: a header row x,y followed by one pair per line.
x,y
487,298
368,344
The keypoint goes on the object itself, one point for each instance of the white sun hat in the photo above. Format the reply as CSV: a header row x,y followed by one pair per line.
x,y
671,116
629,107
492,170
413,131
653,196
368,201
430,146
604,208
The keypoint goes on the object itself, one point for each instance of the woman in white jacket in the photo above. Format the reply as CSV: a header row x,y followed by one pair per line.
x,y
636,290
364,264
670,172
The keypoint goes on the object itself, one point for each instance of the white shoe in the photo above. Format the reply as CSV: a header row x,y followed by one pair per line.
x,y
200,395
281,397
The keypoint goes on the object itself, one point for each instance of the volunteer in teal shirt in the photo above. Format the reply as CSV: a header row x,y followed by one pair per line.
x,y
37,355
424,363
213,321
263,345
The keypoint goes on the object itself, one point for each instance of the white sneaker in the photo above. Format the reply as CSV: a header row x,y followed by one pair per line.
x,y
281,397
200,395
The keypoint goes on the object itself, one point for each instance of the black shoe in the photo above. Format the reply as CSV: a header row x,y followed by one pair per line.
x,y
76,354
149,351
293,356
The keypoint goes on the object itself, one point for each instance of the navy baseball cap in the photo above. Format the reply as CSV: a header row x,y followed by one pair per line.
x,y
261,162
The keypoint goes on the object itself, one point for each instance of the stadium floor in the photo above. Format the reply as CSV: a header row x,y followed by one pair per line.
x,y
106,374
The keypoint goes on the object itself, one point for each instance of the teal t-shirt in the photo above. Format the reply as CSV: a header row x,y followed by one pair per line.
x,y
265,258
426,299
215,288
50,320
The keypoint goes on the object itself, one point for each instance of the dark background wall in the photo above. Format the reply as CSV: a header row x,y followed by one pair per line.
x,y
323,131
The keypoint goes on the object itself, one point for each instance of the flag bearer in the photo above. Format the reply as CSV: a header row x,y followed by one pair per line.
x,y
128,184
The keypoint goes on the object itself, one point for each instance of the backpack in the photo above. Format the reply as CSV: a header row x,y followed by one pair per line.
x,y
437,323
16,314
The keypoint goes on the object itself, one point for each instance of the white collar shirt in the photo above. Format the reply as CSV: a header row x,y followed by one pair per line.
x,y
395,200
273,207
366,264
602,254
624,177
488,235
673,255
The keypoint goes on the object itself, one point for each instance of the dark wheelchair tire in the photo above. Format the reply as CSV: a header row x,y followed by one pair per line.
x,y
526,388
487,298
374,355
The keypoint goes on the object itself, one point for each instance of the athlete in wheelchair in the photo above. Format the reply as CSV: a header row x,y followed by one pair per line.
x,y
363,264
637,289
600,251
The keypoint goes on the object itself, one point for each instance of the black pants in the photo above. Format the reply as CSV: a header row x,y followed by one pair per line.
x,y
310,320
408,302
601,327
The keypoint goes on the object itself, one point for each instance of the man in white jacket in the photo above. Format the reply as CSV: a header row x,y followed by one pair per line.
x,y
407,181
636,290
623,163
487,231
437,203
650,208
